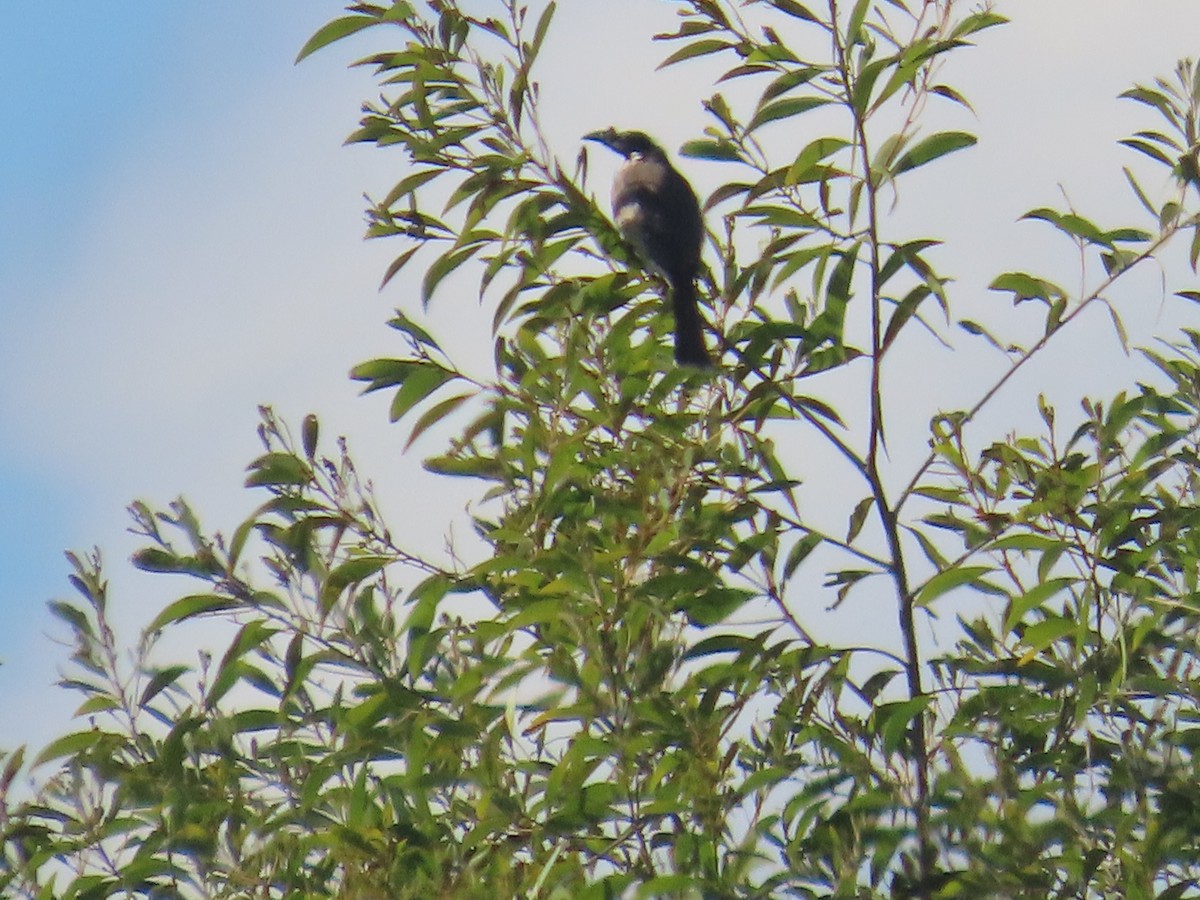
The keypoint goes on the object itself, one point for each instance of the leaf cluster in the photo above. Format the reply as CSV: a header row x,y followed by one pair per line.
x,y
623,688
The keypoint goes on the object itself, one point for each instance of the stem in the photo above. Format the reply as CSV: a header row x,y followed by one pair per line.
x,y
991,392
891,528
918,743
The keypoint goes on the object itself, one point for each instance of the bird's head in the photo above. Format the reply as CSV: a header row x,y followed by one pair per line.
x,y
627,143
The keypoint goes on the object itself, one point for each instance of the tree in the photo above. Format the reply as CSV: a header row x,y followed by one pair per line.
x,y
619,695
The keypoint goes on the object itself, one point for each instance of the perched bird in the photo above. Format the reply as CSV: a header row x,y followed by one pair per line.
x,y
657,211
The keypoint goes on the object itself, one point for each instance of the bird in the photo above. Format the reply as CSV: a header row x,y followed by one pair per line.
x,y
657,212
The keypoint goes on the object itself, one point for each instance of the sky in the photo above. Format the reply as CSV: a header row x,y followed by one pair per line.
x,y
181,241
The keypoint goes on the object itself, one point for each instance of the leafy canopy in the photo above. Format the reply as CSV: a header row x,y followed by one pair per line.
x,y
621,689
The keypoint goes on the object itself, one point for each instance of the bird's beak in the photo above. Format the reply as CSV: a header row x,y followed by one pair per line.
x,y
604,137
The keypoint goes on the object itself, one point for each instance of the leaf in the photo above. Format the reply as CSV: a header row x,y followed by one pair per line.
x,y
310,431
784,109
75,618
472,467
865,84
1149,150
539,32
872,687
1071,224
695,49
1034,598
1041,635
903,312
799,552
435,414
948,580
789,80
397,264
335,31
721,151
928,547
978,21
1026,287
443,266
893,720
858,517
792,8
721,643
232,668
160,680
854,29
352,571
805,169
422,380
944,90
711,606
381,373
69,745
408,184
190,607
155,559
275,469
972,327
933,147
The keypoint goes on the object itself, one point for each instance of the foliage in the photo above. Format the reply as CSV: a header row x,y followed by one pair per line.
x,y
619,693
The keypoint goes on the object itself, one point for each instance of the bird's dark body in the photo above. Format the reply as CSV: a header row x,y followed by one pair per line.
x,y
657,211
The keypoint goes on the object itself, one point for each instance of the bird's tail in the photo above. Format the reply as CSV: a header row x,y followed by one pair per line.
x,y
689,327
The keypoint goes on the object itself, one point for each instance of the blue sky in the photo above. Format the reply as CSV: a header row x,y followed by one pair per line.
x,y
122,123
180,241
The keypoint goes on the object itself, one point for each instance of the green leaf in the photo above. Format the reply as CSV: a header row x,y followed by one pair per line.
x,y
1041,635
799,552
933,147
276,469
784,109
949,580
1071,224
893,720
539,32
1034,598
350,572
381,373
1149,150
75,618
232,668
858,517
1026,287
1026,543
903,312
422,380
854,26
408,184
397,264
713,605
721,151
695,49
161,679
466,467
189,607
443,266
805,169
69,745
792,8
435,414
335,31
